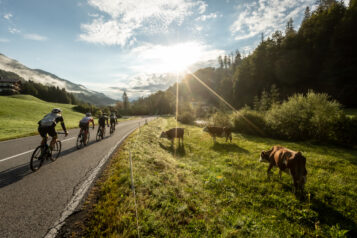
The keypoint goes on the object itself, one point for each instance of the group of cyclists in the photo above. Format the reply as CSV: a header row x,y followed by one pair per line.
x,y
47,125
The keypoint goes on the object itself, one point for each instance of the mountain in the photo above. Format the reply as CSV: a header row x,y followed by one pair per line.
x,y
40,76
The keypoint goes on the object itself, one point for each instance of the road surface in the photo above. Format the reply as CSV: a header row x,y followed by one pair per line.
x,y
32,204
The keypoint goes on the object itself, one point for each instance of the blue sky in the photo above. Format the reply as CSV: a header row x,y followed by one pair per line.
x,y
135,45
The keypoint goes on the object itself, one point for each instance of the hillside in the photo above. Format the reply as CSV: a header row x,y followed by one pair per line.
x,y
39,76
19,115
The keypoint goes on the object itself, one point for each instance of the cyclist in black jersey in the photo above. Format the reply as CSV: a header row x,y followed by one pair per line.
x,y
47,125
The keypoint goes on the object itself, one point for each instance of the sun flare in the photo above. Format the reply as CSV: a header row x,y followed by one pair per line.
x,y
172,58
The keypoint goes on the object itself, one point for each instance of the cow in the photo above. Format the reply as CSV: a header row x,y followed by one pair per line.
x,y
216,131
172,134
289,161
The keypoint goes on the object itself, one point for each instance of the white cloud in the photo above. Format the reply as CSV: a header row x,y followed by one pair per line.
x,y
8,16
123,18
202,7
266,16
212,15
4,40
35,37
14,30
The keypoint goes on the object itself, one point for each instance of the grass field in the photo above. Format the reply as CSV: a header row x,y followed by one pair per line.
x,y
19,115
206,190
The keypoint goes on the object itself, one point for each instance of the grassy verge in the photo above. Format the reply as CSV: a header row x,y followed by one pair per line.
x,y
19,115
202,190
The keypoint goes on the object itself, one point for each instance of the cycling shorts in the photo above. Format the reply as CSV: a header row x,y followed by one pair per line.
x,y
112,121
84,125
50,130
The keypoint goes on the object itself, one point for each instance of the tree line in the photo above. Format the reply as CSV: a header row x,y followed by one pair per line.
x,y
321,56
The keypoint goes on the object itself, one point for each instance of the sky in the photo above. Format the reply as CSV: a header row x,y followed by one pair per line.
x,y
139,46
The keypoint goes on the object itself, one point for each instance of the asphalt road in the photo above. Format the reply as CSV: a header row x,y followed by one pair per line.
x,y
33,203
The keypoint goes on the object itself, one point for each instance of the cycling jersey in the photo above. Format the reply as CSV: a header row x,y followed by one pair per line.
x,y
48,123
102,120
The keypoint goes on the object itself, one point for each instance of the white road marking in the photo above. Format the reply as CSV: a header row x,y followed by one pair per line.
x,y
78,196
29,151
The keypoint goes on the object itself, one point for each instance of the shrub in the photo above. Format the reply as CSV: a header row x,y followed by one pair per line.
x,y
249,122
346,131
186,118
220,119
313,116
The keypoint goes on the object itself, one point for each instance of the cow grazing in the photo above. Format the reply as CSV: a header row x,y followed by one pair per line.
x,y
216,131
289,161
173,133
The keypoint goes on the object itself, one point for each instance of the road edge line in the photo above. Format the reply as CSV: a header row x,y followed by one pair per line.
x,y
78,196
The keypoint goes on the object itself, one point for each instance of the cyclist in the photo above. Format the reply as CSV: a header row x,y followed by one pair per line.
x,y
47,125
101,121
113,119
84,125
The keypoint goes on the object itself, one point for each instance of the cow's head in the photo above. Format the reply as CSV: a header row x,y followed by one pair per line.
x,y
301,176
163,134
264,157
205,129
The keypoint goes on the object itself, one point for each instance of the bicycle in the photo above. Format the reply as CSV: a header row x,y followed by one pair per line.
x,y
80,143
112,128
100,134
43,152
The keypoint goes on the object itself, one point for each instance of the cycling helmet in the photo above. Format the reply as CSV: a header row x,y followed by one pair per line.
x,y
88,114
56,110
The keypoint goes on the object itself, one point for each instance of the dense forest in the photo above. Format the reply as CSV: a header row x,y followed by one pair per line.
x,y
321,56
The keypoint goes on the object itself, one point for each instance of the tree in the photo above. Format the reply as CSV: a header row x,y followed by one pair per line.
x,y
307,14
274,94
289,27
125,102
220,62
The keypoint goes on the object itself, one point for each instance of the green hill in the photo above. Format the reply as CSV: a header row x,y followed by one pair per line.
x,y
19,115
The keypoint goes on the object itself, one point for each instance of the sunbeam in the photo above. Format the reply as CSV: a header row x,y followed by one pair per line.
x,y
227,103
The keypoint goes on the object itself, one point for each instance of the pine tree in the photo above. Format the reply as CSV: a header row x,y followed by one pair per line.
x,y
264,101
125,101
256,103
307,14
274,94
220,61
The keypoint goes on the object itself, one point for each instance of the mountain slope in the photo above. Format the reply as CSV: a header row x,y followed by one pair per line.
x,y
46,78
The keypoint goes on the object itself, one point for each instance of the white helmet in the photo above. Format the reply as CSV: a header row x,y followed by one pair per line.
x,y
88,114
56,110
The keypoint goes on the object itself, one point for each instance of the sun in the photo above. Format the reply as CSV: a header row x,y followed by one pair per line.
x,y
174,58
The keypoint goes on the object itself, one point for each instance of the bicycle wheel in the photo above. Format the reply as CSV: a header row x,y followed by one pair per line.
x,y
37,159
56,151
111,129
99,133
79,143
88,136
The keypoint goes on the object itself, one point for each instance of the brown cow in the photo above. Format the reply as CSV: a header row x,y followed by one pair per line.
x,y
216,131
173,133
289,161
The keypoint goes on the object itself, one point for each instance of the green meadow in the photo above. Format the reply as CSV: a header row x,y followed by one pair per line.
x,y
19,115
207,190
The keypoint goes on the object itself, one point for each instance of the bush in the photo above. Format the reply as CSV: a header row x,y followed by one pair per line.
x,y
186,118
313,116
346,131
220,119
249,122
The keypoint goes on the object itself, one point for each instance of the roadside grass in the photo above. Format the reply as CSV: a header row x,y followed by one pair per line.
x,y
206,190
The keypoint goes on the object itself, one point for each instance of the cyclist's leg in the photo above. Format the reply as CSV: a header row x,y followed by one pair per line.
x,y
52,132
